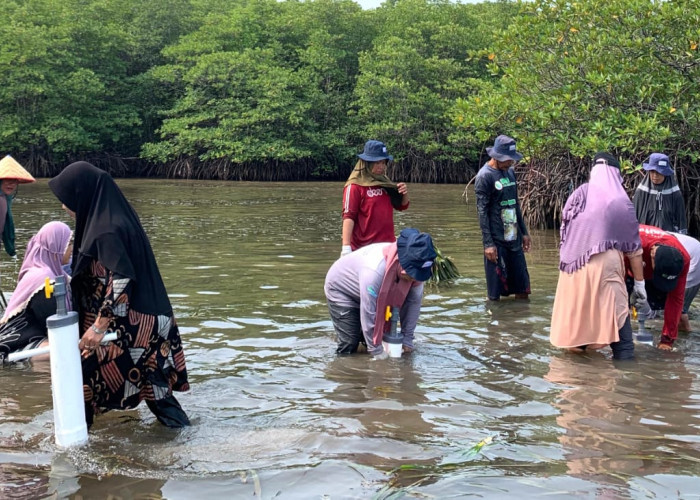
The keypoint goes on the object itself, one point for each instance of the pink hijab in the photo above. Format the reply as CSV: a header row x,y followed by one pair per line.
x,y
597,217
43,259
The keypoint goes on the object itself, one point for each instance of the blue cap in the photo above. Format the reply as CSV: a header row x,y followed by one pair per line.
x,y
416,253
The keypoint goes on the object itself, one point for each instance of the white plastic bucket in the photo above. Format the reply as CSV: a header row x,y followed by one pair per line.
x,y
394,350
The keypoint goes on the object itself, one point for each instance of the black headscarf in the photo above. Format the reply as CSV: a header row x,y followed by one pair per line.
x,y
108,230
607,158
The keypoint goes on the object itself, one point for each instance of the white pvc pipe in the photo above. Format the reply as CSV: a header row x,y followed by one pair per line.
x,y
30,353
70,428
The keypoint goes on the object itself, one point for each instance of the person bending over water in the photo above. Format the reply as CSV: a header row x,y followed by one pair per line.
x,y
666,265
361,285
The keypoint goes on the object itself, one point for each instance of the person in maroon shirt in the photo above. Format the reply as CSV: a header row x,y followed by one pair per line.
x,y
369,200
666,264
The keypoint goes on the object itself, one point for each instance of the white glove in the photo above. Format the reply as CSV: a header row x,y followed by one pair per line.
x,y
345,250
382,355
640,290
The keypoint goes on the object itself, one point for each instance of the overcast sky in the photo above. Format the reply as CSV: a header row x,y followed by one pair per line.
x,y
369,4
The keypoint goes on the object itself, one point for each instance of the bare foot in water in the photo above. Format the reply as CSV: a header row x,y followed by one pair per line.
x,y
684,323
584,348
665,347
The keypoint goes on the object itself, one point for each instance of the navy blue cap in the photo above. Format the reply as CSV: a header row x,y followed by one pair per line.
x,y
504,149
416,253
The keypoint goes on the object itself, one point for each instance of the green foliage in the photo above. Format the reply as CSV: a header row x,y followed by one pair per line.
x,y
263,82
593,75
255,85
574,78
444,269
250,88
309,82
70,80
415,71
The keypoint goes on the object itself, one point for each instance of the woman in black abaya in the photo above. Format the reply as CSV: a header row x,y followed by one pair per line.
x,y
117,287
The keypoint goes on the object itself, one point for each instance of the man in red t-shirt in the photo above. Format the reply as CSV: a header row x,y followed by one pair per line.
x,y
369,200
666,265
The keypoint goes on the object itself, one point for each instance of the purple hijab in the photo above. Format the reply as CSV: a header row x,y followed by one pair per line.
x,y
597,217
43,259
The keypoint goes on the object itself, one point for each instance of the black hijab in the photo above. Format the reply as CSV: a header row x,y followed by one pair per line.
x,y
108,230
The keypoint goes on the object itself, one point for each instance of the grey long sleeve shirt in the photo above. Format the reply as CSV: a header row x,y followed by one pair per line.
x,y
354,281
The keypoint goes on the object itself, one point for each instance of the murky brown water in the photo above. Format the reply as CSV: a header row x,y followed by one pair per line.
x,y
276,415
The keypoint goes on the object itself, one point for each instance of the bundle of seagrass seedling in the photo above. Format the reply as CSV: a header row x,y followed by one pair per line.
x,y
444,270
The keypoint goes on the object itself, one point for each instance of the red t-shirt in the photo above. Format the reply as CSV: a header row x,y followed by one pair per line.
x,y
673,308
371,209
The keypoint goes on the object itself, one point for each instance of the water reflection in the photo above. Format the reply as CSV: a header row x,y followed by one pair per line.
x,y
21,481
621,422
64,481
375,409
277,415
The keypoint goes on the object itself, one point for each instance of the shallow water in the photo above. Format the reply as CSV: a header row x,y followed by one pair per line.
x,y
276,415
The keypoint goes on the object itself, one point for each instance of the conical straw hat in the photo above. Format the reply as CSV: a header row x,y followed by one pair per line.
x,y
10,169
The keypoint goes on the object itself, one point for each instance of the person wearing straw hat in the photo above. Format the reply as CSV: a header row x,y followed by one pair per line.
x,y
12,174
658,200
369,200
503,231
